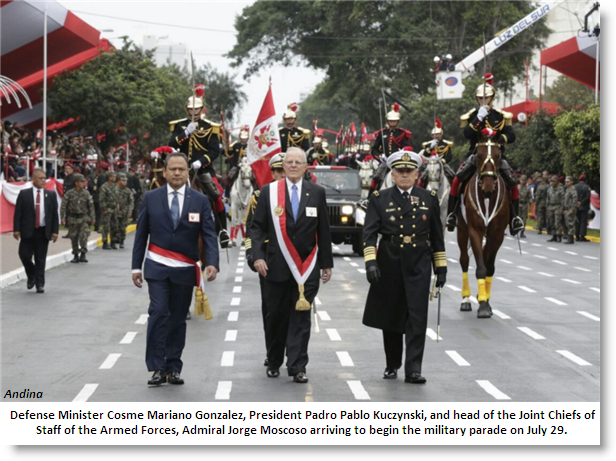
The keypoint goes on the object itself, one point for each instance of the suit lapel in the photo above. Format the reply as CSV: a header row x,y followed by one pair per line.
x,y
184,213
165,203
303,200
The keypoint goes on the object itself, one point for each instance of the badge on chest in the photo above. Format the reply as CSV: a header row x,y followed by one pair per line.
x,y
194,217
311,212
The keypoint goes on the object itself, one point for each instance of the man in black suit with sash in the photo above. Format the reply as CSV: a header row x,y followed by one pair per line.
x,y
36,222
292,216
173,217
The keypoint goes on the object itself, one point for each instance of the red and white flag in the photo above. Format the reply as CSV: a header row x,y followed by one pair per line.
x,y
264,141
364,132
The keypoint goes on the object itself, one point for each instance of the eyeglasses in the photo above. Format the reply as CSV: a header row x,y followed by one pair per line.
x,y
294,162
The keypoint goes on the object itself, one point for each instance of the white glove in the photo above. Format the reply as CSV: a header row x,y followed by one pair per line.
x,y
190,128
433,143
483,112
155,155
196,165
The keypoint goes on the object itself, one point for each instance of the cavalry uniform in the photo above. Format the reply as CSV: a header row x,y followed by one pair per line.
x,y
570,209
78,212
440,147
319,156
555,202
541,201
411,246
237,152
526,198
126,202
294,137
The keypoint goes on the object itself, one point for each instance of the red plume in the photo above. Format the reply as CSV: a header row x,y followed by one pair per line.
x,y
199,90
293,106
489,78
437,123
408,148
396,107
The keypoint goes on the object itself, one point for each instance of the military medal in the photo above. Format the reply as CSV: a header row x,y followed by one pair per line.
x,y
278,211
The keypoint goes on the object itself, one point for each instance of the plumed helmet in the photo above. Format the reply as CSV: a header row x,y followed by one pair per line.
x,y
486,90
394,113
317,139
291,111
196,101
438,126
245,132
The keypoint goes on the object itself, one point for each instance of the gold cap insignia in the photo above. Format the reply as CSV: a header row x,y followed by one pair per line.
x,y
406,158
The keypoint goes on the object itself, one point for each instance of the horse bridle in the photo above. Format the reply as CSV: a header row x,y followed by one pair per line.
x,y
488,160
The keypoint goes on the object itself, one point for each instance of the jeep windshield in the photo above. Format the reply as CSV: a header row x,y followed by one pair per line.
x,y
337,182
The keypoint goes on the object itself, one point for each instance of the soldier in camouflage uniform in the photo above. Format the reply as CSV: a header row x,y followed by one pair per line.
x,y
555,201
108,200
526,198
541,200
570,208
78,211
126,202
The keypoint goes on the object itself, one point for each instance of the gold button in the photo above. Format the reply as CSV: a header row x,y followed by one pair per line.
x,y
414,245
400,217
401,235
413,226
401,246
413,216
401,226
399,208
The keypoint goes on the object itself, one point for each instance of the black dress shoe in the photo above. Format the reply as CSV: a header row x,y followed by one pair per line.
x,y
40,290
158,378
300,378
415,378
30,284
390,373
265,362
273,372
173,377
122,244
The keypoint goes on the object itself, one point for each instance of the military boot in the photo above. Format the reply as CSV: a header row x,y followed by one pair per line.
x,y
113,246
569,239
560,238
553,239
82,258
75,258
106,245
122,244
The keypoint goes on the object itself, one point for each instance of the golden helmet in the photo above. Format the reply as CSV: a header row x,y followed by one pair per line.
x,y
394,113
317,139
196,100
485,91
245,132
438,127
291,111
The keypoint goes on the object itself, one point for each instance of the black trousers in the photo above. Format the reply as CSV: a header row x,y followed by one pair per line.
x,y
35,246
581,224
166,335
286,328
263,307
415,345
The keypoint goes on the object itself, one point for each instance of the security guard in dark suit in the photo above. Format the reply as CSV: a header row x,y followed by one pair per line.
x,y
275,164
291,135
408,218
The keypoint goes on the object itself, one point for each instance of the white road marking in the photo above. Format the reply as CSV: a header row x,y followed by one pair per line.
x,y
324,316
451,260
492,390
347,259
556,301
237,289
223,391
241,258
545,274
552,248
354,264
574,358
85,393
333,334
430,333
530,333
571,253
242,252
239,279
505,261
227,359
598,290
142,320
525,252
507,248
451,287
524,268
109,361
361,271
540,256
235,301
591,257
345,359
336,248
231,335
590,316
503,279
559,262
575,282
537,245
501,314
358,390
317,301
240,264
128,337
239,271
233,316
530,290
457,358
453,242
583,269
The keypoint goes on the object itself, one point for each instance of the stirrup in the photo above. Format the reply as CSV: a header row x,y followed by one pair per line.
x,y
451,222
223,238
516,225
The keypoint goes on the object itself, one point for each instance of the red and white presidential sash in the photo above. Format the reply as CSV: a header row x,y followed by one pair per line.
x,y
173,259
301,270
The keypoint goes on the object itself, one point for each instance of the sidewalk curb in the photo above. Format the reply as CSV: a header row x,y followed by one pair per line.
x,y
592,239
53,261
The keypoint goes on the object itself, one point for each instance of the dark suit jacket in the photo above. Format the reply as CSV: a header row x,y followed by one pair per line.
x,y
23,220
155,222
304,233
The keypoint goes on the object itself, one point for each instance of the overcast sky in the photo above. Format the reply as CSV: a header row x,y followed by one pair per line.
x,y
206,45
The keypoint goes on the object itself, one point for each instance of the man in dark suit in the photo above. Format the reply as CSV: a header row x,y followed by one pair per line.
x,y
36,223
292,216
173,217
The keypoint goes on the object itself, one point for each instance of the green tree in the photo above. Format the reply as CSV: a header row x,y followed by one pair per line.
x,y
579,134
569,94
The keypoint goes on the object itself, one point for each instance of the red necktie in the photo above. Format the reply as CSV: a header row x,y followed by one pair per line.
x,y
37,219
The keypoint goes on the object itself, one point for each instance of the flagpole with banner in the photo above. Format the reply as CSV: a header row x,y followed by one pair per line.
x,y
264,141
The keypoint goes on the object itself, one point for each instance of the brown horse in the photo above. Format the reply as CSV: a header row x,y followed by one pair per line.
x,y
157,175
486,206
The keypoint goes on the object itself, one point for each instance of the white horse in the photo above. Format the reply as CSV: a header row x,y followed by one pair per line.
x,y
435,179
366,171
241,191
387,182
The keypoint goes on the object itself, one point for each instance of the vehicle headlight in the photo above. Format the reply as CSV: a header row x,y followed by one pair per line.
x,y
347,209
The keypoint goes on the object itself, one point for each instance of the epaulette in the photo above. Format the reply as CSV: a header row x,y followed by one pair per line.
x,y
211,123
406,131
304,130
425,144
233,144
326,151
508,116
173,123
449,143
464,118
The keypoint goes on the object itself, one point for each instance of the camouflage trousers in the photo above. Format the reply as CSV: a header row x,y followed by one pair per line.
x,y
524,212
122,223
78,232
570,222
542,213
555,221
109,226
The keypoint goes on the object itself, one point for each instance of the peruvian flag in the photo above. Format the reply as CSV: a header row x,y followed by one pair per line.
x,y
352,133
264,141
364,132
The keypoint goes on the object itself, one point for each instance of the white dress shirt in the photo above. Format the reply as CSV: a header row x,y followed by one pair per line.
x,y
290,190
181,192
409,191
42,205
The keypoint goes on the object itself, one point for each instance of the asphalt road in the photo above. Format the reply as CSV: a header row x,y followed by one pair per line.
x,y
84,339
